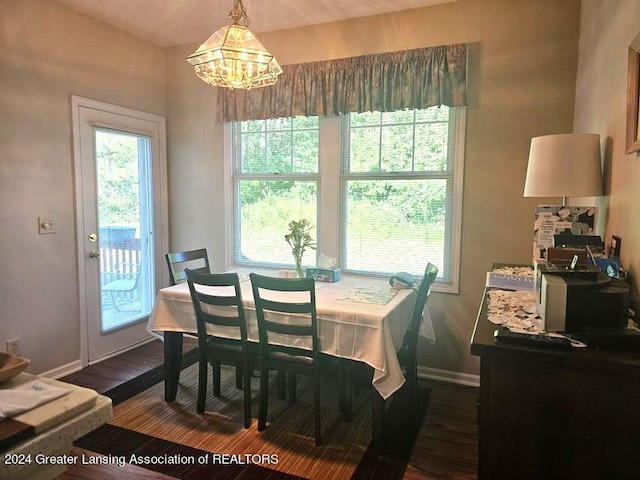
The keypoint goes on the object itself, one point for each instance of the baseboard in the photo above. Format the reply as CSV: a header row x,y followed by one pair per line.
x,y
63,370
76,365
448,376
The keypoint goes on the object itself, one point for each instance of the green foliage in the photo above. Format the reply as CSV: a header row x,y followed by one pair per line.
x,y
403,141
280,146
374,231
299,239
419,201
117,178
381,212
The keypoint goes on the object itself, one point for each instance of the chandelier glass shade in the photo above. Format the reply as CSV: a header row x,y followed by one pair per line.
x,y
234,58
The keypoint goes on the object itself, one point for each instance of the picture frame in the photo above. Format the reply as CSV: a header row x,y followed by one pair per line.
x,y
633,97
614,249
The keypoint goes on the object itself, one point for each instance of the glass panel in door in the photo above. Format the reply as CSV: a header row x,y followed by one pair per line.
x,y
125,223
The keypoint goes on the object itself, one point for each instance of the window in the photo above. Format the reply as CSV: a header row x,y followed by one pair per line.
x,y
398,182
275,181
390,183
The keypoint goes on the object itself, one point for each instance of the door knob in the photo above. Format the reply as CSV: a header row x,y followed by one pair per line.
x,y
94,254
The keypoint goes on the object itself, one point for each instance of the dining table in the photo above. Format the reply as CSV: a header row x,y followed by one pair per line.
x,y
362,319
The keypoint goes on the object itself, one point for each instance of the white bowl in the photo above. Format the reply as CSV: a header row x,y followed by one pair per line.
x,y
11,366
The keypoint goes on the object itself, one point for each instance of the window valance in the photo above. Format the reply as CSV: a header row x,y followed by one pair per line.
x,y
418,78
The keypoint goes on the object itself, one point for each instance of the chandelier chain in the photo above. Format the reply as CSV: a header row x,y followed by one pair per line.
x,y
239,13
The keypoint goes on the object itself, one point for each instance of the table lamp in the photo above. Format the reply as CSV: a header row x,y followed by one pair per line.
x,y
564,165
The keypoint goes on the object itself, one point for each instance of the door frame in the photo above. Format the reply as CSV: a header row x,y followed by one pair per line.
x,y
161,215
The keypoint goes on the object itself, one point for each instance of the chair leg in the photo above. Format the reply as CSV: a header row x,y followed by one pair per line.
x,y
345,390
341,389
316,406
264,397
378,414
202,384
239,376
412,388
113,301
281,385
216,377
247,395
292,387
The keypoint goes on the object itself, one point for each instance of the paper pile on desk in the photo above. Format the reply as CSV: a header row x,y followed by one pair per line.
x,y
514,309
511,278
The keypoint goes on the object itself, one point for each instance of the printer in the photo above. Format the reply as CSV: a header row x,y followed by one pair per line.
x,y
579,299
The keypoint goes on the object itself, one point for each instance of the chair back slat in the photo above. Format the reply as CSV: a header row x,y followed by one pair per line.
x,y
219,320
220,300
284,307
302,311
194,260
286,329
200,299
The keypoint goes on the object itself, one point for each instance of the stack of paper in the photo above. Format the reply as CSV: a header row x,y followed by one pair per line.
x,y
507,281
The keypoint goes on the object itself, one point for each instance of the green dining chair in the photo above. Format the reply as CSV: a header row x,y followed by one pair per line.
x,y
275,318
407,354
216,349
194,260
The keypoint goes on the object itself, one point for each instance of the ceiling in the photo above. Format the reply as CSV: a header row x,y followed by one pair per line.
x,y
178,22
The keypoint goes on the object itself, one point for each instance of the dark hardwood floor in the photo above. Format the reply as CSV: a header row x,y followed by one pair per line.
x,y
446,447
117,370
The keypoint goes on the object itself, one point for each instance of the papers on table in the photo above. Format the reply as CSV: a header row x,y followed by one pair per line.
x,y
514,309
372,294
511,299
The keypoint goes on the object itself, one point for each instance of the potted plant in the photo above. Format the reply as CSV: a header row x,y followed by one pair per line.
x,y
299,239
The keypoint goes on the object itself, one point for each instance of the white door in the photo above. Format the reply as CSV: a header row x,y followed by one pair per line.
x,y
120,185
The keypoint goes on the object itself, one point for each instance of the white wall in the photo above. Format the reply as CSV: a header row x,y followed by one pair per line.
x,y
48,52
606,30
196,207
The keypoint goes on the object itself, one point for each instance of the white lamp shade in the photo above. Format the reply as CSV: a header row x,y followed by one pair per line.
x,y
565,165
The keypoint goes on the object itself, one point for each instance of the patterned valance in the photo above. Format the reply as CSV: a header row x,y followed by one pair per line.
x,y
419,78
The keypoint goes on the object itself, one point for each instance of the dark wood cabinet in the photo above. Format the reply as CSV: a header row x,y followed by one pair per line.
x,y
556,414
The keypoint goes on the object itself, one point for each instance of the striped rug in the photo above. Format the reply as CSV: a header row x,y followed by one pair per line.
x,y
173,439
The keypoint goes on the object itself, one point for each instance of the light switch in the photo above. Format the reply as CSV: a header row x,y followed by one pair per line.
x,y
47,224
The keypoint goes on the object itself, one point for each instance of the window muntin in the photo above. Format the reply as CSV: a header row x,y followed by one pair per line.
x,y
278,146
275,181
405,157
404,141
397,180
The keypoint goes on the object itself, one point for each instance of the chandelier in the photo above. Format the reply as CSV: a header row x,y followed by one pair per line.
x,y
234,58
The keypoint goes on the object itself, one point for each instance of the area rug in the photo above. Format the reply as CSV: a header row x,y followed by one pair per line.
x,y
173,439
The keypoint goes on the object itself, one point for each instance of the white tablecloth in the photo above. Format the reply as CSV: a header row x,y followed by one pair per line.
x,y
349,324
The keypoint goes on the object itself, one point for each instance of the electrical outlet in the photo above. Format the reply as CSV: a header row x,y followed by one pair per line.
x,y
13,347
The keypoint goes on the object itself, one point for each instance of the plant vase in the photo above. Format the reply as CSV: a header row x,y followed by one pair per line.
x,y
299,239
299,268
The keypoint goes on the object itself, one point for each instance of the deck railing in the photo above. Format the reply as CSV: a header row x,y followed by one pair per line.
x,y
120,260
